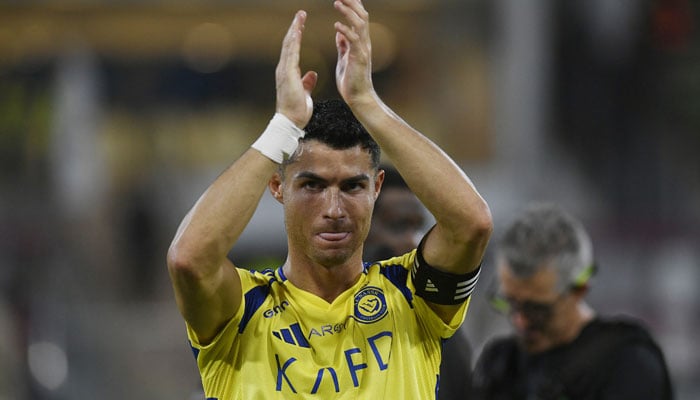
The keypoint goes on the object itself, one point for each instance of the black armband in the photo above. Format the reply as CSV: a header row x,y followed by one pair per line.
x,y
441,287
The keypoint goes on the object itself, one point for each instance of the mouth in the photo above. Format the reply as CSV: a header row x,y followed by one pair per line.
x,y
333,236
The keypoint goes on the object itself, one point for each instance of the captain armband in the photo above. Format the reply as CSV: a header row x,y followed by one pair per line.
x,y
441,287
280,139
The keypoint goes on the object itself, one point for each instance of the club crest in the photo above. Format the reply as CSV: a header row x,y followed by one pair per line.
x,y
370,304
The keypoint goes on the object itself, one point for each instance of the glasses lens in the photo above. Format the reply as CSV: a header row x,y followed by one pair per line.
x,y
536,313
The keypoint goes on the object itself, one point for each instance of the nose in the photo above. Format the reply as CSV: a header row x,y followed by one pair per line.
x,y
334,204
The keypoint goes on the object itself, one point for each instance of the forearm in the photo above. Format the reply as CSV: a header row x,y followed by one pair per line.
x,y
463,217
207,287
464,224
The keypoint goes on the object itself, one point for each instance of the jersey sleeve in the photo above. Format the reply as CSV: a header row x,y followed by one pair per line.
x,y
225,337
436,325
433,322
216,377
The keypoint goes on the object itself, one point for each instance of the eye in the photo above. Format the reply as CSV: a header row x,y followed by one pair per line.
x,y
354,186
312,185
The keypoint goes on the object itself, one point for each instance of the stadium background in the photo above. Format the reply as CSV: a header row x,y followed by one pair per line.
x,y
115,115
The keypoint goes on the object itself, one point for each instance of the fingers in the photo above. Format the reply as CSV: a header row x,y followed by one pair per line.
x,y
349,33
291,45
353,10
356,17
352,40
294,90
297,26
341,43
309,81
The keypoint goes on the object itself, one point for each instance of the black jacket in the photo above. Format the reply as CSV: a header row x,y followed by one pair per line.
x,y
610,359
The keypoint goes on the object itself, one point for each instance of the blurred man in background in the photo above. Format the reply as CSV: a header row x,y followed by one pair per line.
x,y
561,349
398,223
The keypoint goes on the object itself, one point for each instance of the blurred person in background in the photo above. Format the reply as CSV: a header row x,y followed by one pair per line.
x,y
325,324
398,223
561,349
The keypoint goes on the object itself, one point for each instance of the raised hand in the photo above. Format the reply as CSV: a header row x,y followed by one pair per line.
x,y
293,90
353,71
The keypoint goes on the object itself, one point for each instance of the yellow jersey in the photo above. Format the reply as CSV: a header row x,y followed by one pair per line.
x,y
376,340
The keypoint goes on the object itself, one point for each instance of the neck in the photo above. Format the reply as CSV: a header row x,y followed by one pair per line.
x,y
584,315
325,282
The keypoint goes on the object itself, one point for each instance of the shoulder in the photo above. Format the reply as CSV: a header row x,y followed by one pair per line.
x,y
501,345
394,269
404,260
256,286
498,353
496,367
632,339
251,278
623,330
613,335
631,348
638,367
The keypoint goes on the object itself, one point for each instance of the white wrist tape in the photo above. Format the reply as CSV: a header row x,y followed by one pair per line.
x,y
280,139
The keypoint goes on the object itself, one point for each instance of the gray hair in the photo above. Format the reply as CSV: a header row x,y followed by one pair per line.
x,y
545,236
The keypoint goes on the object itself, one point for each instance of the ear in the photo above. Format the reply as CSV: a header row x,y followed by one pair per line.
x,y
379,180
275,185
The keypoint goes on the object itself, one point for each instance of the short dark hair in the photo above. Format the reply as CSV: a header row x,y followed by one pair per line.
x,y
333,124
